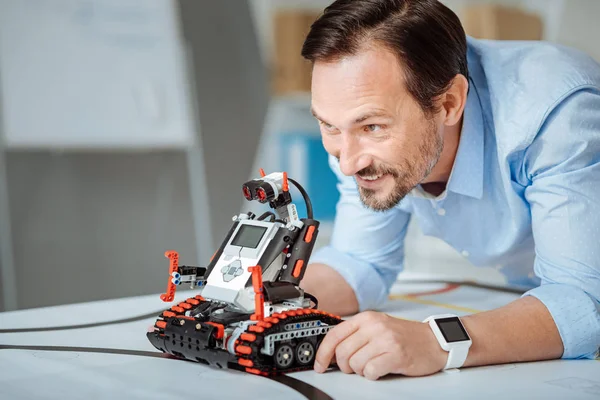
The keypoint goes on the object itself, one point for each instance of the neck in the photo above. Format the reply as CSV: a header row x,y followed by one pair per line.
x,y
442,170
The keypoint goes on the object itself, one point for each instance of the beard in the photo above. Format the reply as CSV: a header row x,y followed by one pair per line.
x,y
406,176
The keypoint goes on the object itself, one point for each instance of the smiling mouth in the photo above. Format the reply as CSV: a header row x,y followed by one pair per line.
x,y
370,181
371,177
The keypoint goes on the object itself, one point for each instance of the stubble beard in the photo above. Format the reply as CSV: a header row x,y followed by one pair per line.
x,y
406,177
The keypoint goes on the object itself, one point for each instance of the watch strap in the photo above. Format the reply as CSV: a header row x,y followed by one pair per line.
x,y
457,357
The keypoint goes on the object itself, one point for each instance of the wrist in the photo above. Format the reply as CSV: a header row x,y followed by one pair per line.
x,y
319,280
438,355
476,348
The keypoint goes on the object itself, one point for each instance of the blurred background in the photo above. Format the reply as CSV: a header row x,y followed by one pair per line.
x,y
128,126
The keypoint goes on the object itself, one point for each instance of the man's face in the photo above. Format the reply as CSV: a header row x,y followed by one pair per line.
x,y
374,127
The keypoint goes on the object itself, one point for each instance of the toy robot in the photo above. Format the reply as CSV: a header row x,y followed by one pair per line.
x,y
251,314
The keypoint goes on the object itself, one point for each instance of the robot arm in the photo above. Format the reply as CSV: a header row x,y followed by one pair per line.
x,y
184,274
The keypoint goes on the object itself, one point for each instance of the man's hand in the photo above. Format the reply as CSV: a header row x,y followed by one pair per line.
x,y
373,344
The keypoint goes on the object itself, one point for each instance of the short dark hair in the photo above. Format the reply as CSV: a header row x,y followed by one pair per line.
x,y
427,37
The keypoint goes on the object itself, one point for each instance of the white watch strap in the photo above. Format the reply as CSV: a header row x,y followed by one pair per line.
x,y
457,357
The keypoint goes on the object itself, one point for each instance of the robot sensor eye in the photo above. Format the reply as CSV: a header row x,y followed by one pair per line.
x,y
261,194
247,193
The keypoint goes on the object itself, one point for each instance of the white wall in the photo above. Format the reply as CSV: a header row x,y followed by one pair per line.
x,y
574,24
93,74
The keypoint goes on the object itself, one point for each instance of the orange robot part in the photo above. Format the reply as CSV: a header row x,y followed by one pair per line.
x,y
259,299
173,256
285,182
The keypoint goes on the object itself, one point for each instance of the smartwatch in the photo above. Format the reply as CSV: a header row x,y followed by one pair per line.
x,y
452,336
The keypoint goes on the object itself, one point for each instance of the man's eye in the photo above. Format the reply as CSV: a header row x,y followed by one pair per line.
x,y
372,128
327,126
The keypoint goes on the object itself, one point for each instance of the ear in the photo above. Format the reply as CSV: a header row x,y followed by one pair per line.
x,y
454,99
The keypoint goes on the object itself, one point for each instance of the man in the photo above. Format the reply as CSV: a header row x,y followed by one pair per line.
x,y
493,147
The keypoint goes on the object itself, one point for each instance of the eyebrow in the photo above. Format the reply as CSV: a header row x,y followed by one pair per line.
x,y
362,118
375,113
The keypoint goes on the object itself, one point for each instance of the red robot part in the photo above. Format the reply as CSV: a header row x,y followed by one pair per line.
x,y
262,195
247,193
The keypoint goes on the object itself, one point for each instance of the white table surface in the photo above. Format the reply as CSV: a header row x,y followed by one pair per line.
x,y
92,364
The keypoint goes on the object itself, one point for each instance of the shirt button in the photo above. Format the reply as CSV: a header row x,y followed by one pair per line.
x,y
465,253
441,211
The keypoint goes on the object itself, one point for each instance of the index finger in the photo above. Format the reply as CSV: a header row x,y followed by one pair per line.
x,y
331,340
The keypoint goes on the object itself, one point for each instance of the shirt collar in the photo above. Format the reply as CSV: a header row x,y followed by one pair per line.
x,y
466,177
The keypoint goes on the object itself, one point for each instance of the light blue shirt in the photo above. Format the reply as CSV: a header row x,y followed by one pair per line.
x,y
524,192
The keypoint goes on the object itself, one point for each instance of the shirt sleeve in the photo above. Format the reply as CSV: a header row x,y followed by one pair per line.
x,y
563,167
367,247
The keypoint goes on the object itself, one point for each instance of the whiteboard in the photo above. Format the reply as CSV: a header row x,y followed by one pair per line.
x,y
93,74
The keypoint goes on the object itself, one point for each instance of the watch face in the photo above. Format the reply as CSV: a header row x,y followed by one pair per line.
x,y
452,329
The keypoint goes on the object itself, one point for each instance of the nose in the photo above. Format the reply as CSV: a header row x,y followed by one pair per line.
x,y
352,157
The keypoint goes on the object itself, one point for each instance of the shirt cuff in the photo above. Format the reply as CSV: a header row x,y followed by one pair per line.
x,y
577,317
369,287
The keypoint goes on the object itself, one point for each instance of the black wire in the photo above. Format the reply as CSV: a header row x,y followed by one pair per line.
x,y
312,298
265,216
309,210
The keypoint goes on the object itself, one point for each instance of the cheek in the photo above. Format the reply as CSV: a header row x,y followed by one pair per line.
x,y
409,147
392,153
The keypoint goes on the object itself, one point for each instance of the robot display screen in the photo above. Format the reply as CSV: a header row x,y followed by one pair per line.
x,y
452,330
249,236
